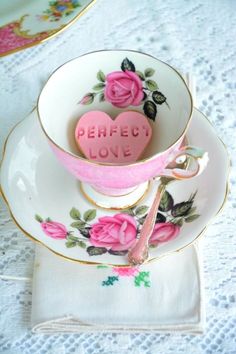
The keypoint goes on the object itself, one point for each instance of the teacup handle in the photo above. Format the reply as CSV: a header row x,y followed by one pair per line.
x,y
199,160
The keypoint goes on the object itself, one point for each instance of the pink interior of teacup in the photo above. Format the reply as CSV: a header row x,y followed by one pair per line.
x,y
89,83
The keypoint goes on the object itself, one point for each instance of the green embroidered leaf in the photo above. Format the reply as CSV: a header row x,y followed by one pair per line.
x,y
149,72
158,97
141,75
101,76
70,244
99,86
181,209
192,217
101,97
38,218
167,202
90,214
150,110
127,65
78,224
96,251
75,214
141,210
110,280
160,218
151,85
142,278
81,244
118,253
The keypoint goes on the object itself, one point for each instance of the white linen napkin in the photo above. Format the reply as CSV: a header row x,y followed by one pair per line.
x,y
166,295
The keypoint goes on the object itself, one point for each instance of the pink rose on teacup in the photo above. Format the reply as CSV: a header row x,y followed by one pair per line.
x,y
164,232
54,229
117,232
123,88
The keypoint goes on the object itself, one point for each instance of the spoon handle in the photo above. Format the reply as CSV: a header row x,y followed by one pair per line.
x,y
139,253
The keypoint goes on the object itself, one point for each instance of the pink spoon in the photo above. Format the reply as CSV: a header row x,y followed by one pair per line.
x,y
139,253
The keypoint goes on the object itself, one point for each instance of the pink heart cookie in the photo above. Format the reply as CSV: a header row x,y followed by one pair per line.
x,y
103,139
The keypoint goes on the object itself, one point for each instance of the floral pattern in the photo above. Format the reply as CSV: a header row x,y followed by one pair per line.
x,y
13,35
58,9
141,278
128,87
117,233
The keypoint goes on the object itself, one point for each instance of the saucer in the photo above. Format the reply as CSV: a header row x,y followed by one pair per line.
x,y
25,24
47,204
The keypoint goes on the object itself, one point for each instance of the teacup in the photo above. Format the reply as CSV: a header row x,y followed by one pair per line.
x,y
114,81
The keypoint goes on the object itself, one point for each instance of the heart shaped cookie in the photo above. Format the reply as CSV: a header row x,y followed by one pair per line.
x,y
103,139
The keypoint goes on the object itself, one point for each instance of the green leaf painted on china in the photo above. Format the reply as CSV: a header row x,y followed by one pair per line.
x,y
158,97
192,217
38,218
72,238
127,65
101,76
151,85
75,214
81,244
70,244
85,232
96,251
140,74
150,110
78,224
181,209
99,87
118,253
141,210
178,222
90,214
192,210
167,202
160,218
101,97
149,72
128,211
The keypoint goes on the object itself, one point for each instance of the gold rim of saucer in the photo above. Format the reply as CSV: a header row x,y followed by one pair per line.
x,y
111,264
140,162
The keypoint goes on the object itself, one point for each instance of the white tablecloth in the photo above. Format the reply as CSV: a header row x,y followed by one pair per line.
x,y
197,36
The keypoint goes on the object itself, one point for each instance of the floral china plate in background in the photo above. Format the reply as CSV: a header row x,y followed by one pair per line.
x,y
27,23
47,203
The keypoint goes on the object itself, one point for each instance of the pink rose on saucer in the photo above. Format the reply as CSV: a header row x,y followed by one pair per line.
x,y
117,232
54,229
123,88
164,232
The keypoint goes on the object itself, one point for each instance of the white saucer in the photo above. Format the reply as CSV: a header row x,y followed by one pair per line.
x,y
34,183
